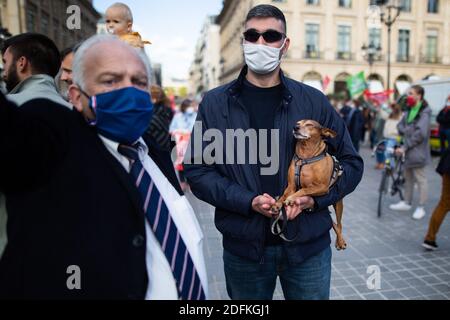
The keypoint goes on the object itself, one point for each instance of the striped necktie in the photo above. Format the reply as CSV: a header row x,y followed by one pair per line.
x,y
187,280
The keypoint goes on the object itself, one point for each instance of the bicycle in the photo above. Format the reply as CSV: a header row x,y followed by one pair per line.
x,y
392,179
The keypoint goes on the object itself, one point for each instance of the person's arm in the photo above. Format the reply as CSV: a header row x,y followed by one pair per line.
x,y
32,142
401,126
342,148
443,117
440,117
205,180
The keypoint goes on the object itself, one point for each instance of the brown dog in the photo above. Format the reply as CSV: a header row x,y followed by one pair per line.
x,y
312,171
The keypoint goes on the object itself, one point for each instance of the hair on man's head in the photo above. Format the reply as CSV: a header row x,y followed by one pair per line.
x,y
38,49
267,11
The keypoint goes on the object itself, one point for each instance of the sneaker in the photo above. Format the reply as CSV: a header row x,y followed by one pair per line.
x,y
401,206
419,213
379,166
430,245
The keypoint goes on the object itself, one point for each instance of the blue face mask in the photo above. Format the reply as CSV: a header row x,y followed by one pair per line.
x,y
122,115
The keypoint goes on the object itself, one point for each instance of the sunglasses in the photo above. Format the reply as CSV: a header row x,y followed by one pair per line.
x,y
270,36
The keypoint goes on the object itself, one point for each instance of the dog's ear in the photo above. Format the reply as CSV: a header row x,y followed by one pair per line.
x,y
328,133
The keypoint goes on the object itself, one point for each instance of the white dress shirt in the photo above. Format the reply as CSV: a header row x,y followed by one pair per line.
x,y
162,285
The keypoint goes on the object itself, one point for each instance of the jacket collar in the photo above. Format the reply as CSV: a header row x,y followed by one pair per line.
x,y
422,108
38,80
235,88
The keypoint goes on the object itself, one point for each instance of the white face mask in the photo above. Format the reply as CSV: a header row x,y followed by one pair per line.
x,y
190,110
262,59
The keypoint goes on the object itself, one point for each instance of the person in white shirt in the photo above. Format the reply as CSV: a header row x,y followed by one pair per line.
x,y
162,284
390,133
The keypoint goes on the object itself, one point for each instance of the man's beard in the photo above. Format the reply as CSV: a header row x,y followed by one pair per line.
x,y
12,80
63,88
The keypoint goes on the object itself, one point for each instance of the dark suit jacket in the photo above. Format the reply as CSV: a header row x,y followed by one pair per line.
x,y
70,203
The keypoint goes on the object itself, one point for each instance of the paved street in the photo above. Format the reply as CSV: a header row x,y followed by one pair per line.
x,y
393,243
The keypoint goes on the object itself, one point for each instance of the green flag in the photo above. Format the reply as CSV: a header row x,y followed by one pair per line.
x,y
356,84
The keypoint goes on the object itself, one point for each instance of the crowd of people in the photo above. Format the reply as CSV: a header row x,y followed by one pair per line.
x,y
88,178
401,129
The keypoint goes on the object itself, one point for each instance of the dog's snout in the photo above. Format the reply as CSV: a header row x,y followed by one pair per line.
x,y
297,127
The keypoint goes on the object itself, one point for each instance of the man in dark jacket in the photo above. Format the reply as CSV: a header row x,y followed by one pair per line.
x,y
243,188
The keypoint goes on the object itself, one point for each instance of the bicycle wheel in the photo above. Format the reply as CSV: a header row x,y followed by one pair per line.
x,y
382,190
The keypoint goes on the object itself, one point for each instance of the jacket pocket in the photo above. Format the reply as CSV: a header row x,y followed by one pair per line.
x,y
237,226
309,227
416,157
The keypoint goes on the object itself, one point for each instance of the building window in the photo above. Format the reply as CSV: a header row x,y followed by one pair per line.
x,y
344,42
403,45
31,17
45,24
432,45
56,31
375,37
433,6
312,40
345,3
406,5
313,2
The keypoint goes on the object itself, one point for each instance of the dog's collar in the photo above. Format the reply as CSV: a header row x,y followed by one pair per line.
x,y
302,162
299,163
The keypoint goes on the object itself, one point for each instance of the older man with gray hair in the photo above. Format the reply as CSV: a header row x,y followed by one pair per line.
x,y
95,212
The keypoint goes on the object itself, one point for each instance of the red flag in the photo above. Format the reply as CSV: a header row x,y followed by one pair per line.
x,y
325,83
379,97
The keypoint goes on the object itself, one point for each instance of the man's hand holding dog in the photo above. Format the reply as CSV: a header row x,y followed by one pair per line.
x,y
298,205
263,205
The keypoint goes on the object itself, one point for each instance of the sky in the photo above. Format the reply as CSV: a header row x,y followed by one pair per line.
x,y
173,27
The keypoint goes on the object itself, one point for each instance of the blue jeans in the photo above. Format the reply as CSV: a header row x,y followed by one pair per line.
x,y
386,151
249,280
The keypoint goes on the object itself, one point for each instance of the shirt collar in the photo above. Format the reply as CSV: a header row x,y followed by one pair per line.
x,y
236,87
113,145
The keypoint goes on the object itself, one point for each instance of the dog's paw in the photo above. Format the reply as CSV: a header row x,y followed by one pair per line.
x,y
341,244
276,208
289,202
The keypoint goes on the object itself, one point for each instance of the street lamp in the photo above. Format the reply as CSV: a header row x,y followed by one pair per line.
x,y
371,52
388,17
4,34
